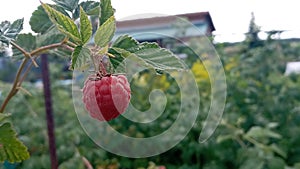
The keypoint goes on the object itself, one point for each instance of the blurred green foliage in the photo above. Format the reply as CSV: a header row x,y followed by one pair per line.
x,y
259,129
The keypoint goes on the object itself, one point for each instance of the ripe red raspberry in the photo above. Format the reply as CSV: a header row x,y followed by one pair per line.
x,y
107,97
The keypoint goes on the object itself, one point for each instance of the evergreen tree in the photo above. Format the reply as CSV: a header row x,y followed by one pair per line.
x,y
252,35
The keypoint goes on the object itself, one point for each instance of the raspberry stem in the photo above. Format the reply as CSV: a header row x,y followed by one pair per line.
x,y
102,69
94,62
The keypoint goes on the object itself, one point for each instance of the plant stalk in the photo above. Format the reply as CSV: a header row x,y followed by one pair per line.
x,y
17,82
49,111
14,89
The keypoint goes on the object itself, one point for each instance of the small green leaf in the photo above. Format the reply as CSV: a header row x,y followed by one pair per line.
x,y
85,27
9,31
15,28
90,7
272,125
106,11
252,163
80,58
121,51
105,32
296,166
259,132
76,160
63,23
68,5
11,149
4,27
278,150
275,163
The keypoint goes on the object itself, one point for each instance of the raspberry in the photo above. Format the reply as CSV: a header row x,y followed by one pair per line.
x,y
107,97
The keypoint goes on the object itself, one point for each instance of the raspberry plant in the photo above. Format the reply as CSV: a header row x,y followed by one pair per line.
x,y
67,28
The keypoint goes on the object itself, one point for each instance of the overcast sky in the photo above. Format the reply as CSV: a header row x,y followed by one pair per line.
x,y
230,17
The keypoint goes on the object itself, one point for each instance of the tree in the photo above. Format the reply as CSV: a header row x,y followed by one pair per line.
x,y
252,35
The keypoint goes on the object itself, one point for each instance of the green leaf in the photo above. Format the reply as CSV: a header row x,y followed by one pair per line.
x,y
63,23
296,165
132,60
53,35
124,53
9,31
90,7
159,58
252,163
121,48
278,150
275,163
105,32
74,161
11,149
80,58
62,53
126,42
106,11
117,61
39,20
4,116
259,132
69,5
151,53
15,28
4,26
27,42
85,27
272,125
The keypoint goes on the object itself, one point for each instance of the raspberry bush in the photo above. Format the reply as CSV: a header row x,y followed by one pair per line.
x,y
83,31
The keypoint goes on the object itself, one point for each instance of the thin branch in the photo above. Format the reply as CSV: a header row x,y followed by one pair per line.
x,y
71,44
240,141
14,89
255,142
43,49
25,74
25,53
24,90
17,82
68,47
87,163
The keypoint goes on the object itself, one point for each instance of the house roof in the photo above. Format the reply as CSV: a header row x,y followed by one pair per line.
x,y
163,21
